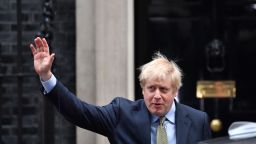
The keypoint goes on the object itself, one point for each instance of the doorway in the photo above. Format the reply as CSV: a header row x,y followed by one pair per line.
x,y
183,30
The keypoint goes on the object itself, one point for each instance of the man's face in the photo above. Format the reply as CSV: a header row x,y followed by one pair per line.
x,y
158,96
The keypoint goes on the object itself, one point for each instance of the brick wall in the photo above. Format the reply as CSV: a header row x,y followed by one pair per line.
x,y
18,77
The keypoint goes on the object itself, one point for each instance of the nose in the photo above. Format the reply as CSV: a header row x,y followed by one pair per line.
x,y
157,94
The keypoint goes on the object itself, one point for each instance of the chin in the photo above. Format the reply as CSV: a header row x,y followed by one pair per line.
x,y
157,113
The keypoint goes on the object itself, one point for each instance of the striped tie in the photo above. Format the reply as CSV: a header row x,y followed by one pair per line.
x,y
161,133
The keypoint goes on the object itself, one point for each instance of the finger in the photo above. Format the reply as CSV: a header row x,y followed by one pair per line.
x,y
45,45
39,44
33,49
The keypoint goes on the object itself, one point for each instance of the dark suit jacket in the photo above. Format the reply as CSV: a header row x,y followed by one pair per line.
x,y
127,122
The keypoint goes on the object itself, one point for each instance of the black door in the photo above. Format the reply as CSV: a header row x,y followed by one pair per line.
x,y
183,30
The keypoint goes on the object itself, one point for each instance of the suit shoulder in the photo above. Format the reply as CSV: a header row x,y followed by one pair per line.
x,y
190,109
124,101
127,105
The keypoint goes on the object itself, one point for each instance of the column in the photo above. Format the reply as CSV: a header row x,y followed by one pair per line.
x,y
104,55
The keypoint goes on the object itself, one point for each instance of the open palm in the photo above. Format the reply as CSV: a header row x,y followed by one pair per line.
x,y
42,62
42,58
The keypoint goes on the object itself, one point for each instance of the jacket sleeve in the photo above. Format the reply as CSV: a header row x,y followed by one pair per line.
x,y
99,119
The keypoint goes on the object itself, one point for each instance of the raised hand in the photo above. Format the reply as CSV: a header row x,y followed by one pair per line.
x,y
42,58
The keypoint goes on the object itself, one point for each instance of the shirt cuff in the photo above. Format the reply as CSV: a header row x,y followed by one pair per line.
x,y
49,84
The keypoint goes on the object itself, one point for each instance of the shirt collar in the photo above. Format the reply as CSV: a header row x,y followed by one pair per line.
x,y
170,116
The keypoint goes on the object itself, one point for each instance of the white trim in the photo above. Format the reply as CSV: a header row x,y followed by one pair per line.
x,y
130,49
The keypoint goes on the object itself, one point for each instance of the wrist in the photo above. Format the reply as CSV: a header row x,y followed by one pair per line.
x,y
46,76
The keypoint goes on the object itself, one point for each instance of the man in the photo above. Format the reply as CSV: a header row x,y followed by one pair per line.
x,y
157,117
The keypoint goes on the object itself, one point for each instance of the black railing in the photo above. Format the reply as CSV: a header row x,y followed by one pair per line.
x,y
19,69
47,107
46,126
0,95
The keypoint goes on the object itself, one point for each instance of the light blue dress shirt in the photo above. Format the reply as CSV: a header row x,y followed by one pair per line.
x,y
169,125
49,84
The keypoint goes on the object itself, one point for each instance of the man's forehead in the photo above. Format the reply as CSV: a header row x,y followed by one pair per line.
x,y
158,81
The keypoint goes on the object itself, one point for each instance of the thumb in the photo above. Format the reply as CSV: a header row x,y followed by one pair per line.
x,y
52,57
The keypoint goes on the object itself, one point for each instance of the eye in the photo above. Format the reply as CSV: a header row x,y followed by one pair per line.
x,y
151,88
164,90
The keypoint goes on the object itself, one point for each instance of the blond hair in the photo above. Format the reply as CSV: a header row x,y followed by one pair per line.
x,y
160,68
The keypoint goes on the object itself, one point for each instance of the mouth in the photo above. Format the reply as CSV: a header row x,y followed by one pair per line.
x,y
157,105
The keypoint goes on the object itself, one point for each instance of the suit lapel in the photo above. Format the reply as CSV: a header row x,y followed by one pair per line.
x,y
182,124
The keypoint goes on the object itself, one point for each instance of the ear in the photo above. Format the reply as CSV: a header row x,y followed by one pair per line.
x,y
142,89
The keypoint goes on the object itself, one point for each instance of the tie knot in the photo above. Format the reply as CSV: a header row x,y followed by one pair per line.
x,y
162,119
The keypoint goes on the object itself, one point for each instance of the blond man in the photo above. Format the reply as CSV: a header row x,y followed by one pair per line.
x,y
156,119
